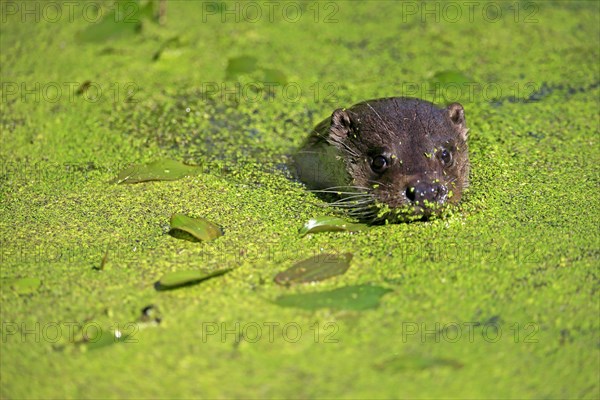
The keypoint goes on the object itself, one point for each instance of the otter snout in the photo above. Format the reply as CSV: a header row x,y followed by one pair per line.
x,y
419,193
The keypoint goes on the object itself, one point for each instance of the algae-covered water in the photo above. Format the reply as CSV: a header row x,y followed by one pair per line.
x,y
498,299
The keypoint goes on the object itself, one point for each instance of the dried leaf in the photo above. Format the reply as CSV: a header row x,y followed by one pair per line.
x,y
315,269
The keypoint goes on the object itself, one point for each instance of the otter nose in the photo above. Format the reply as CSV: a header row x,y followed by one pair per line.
x,y
426,191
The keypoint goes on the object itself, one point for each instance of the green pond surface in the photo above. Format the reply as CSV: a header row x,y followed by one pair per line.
x,y
499,299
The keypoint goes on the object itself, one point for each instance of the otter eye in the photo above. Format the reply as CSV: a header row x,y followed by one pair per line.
x,y
379,163
446,157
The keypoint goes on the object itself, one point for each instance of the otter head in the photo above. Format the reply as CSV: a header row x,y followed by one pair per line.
x,y
405,158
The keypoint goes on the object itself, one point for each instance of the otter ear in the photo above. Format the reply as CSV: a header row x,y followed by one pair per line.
x,y
456,113
341,124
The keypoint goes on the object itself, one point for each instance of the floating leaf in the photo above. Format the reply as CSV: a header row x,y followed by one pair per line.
x,y
416,362
121,22
161,170
315,269
177,279
197,227
357,298
330,224
451,85
450,77
274,76
25,285
240,65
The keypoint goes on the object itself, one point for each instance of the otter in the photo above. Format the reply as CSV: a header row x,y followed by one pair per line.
x,y
394,159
